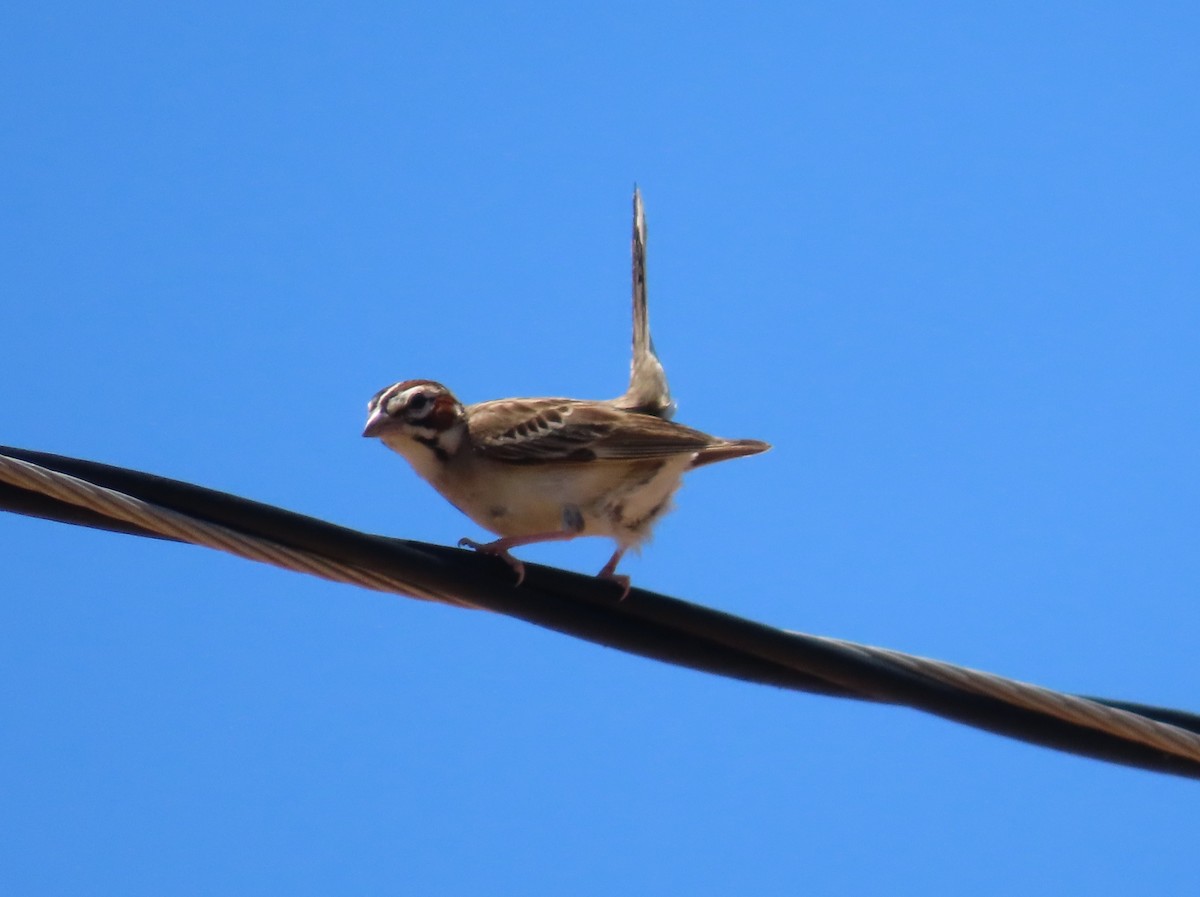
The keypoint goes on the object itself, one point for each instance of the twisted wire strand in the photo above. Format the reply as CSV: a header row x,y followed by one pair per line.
x,y
173,524
164,521
1070,708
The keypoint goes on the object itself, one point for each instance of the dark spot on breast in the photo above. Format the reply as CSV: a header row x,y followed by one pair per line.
x,y
497,511
572,519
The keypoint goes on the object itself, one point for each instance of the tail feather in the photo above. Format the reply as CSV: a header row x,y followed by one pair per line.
x,y
648,391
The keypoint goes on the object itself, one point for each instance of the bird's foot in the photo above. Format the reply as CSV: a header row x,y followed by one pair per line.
x,y
609,572
498,548
620,579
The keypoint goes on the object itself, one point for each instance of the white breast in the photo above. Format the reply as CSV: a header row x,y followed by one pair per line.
x,y
617,499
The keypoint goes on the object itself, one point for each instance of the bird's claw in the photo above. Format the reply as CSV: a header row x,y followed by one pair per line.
x,y
496,549
620,579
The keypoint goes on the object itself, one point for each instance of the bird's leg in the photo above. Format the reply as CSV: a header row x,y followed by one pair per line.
x,y
500,547
572,527
609,571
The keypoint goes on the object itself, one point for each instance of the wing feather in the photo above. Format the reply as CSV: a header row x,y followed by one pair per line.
x,y
532,430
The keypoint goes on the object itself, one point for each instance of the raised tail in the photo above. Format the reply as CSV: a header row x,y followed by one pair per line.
x,y
648,391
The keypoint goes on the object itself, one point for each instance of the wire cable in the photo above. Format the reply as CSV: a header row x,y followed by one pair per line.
x,y
657,626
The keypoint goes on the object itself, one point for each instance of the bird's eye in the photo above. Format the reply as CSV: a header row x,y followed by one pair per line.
x,y
418,402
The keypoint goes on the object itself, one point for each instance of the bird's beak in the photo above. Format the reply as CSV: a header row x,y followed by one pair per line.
x,y
375,423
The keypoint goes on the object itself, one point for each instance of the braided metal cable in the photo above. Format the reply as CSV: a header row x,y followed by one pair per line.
x,y
758,653
174,525
1069,708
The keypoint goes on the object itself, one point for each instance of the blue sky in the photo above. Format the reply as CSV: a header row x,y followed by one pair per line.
x,y
943,257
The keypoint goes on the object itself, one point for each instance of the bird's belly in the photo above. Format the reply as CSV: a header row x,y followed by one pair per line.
x,y
621,500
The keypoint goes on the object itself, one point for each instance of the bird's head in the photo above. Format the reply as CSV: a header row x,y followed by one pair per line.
x,y
419,412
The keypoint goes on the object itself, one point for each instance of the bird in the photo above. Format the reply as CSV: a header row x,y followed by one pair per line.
x,y
552,469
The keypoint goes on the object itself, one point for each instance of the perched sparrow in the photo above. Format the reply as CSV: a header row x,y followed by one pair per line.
x,y
544,470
